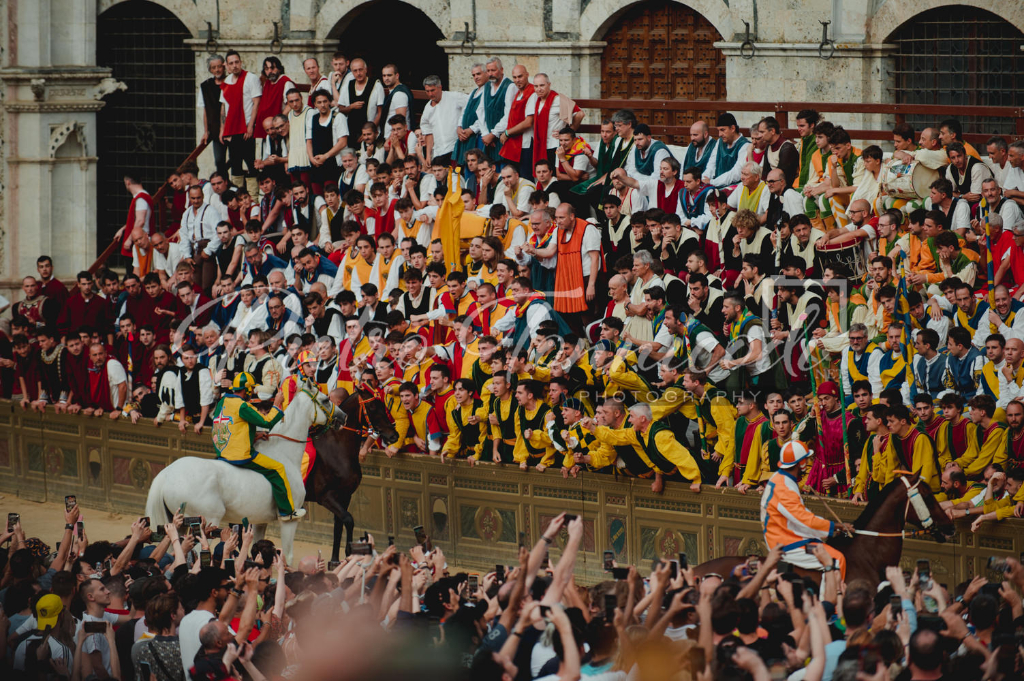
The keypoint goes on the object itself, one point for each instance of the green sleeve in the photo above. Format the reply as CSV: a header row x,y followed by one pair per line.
x,y
253,417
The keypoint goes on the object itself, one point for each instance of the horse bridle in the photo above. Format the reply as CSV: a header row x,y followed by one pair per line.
x,y
914,499
358,429
331,416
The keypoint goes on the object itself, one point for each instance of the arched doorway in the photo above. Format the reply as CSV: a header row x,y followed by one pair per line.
x,y
959,56
661,49
150,127
411,42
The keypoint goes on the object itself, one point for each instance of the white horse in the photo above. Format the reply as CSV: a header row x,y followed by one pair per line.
x,y
221,491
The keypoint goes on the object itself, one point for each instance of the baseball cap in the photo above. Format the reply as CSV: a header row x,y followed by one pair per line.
x,y
47,609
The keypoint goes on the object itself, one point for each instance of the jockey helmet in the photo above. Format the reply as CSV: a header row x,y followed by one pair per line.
x,y
244,382
306,356
791,454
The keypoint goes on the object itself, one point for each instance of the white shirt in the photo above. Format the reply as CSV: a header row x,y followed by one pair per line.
x,y
116,376
961,218
188,636
197,225
97,642
659,156
205,384
554,122
375,100
362,178
251,90
1011,214
591,243
535,314
442,119
398,101
502,125
793,202
525,258
729,176
521,196
1014,179
322,84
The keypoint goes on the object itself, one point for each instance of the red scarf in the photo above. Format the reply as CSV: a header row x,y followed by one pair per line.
x,y
99,388
234,121
513,147
129,224
540,126
270,102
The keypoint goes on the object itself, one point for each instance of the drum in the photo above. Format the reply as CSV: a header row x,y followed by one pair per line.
x,y
910,181
850,254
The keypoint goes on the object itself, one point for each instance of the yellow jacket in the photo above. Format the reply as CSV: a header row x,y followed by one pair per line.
x,y
415,423
663,445
877,471
989,447
460,429
915,450
539,444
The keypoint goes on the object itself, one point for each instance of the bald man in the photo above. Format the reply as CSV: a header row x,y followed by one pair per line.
x,y
361,97
930,153
700,153
618,291
1011,376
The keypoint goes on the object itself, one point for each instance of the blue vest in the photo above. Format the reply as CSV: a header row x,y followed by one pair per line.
x,y
690,159
645,163
962,371
932,379
971,323
727,156
693,206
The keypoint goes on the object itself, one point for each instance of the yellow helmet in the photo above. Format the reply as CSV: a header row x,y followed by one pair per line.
x,y
244,382
306,356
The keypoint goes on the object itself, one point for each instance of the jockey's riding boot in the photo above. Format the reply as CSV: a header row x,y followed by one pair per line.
x,y
294,515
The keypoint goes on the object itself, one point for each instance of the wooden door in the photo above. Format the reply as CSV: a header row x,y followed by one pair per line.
x,y
663,50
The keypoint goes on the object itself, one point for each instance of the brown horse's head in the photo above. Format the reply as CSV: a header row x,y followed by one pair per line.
x,y
925,512
369,411
908,498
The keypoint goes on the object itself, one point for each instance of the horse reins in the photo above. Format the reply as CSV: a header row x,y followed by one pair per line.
x,y
330,417
913,498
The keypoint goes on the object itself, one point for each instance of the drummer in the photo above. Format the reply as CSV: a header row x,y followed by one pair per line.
x,y
857,230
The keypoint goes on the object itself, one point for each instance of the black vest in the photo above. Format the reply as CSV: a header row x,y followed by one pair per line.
x,y
324,373
190,393
357,117
322,326
323,136
422,308
211,103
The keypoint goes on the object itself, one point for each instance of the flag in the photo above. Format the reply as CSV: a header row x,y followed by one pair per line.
x,y
449,223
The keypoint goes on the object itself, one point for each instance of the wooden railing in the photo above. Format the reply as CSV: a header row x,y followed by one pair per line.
x,y
475,514
782,111
114,246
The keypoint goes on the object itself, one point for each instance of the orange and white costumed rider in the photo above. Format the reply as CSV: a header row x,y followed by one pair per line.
x,y
788,523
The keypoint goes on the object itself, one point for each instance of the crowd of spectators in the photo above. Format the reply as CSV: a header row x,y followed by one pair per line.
x,y
188,601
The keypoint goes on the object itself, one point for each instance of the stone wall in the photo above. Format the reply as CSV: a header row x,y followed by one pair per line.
x,y
49,82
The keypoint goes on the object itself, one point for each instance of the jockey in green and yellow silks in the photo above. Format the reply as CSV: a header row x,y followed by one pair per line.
x,y
234,432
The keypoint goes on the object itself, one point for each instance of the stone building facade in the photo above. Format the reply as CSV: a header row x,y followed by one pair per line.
x,y
90,87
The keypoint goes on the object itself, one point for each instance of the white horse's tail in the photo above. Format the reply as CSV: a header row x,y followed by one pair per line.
x,y
156,508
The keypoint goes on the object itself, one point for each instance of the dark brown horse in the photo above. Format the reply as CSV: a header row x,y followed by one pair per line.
x,y
878,541
336,472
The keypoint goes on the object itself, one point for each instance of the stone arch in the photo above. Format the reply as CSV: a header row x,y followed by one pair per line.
x,y
187,11
414,45
894,13
334,17
601,15
59,140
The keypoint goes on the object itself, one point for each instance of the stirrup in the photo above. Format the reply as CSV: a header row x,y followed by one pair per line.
x,y
293,516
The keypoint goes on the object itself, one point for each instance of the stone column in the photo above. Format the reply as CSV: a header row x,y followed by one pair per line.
x,y
51,90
